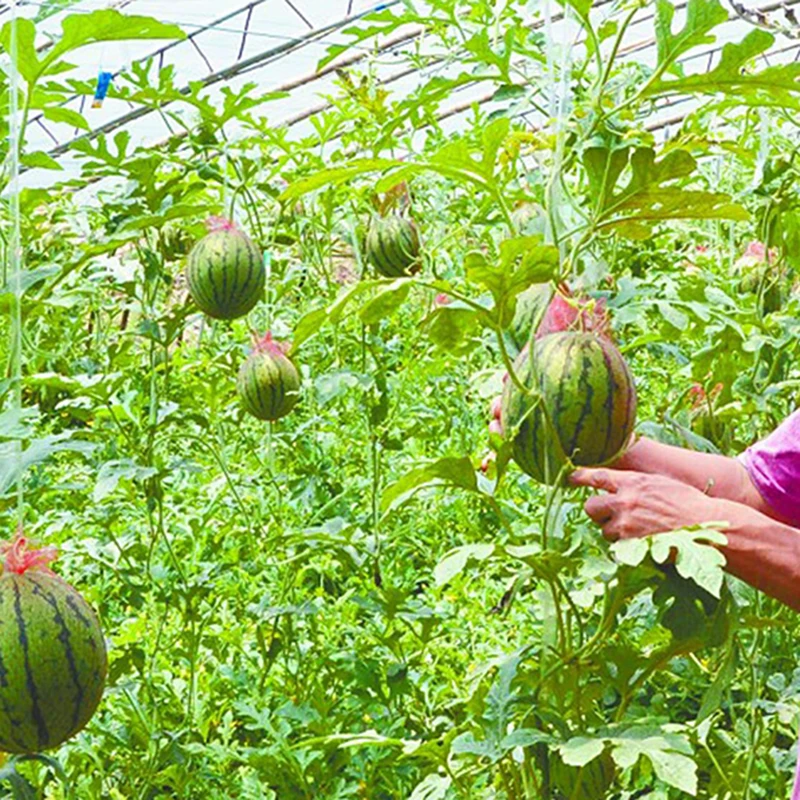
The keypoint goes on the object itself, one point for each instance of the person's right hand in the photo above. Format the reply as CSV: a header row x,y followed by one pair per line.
x,y
635,504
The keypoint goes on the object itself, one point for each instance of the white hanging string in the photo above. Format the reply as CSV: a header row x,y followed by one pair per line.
x,y
558,72
15,261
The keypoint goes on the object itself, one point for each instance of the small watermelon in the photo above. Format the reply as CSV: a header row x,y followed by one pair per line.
x,y
52,654
531,308
586,406
268,382
225,272
392,245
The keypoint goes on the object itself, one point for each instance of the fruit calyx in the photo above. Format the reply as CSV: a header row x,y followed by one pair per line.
x,y
579,313
19,559
266,344
214,224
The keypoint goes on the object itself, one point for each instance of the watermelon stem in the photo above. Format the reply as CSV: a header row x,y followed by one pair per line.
x,y
217,223
266,344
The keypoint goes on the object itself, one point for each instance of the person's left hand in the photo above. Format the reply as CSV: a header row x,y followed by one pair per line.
x,y
637,504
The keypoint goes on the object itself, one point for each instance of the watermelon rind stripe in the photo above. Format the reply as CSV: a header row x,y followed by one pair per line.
x,y
66,644
30,683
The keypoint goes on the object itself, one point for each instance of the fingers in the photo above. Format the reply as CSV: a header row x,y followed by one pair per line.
x,y
600,508
609,480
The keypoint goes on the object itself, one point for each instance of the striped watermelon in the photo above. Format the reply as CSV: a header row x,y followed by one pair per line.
x,y
531,308
268,382
392,245
225,272
587,395
52,654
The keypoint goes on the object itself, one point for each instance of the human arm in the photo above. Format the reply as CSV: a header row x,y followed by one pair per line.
x,y
761,550
714,475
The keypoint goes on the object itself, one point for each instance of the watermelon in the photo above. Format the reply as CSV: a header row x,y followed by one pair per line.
x,y
392,245
225,272
531,306
52,654
586,408
268,382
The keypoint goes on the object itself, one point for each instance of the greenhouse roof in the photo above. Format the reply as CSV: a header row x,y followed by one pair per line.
x,y
278,44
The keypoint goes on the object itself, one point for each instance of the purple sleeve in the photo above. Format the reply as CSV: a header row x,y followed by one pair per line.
x,y
774,467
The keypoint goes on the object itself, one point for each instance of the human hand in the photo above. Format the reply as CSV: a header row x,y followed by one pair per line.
x,y
637,504
496,411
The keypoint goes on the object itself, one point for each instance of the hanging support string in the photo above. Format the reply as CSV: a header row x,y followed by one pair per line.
x,y
15,261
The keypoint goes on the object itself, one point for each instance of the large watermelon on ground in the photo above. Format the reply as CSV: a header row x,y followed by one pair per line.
x,y
52,654
392,245
268,382
225,272
586,406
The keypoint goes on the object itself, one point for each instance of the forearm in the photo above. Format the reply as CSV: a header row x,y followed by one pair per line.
x,y
763,552
717,476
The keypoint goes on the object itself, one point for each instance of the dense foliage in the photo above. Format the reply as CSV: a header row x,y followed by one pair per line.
x,y
354,601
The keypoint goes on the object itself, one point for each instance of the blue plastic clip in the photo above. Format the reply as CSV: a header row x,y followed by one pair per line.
x,y
103,82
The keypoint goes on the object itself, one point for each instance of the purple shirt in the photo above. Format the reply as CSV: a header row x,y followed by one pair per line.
x,y
774,468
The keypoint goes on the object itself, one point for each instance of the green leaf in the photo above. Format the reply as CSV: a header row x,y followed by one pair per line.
x,y
712,699
582,7
674,316
604,166
14,423
452,327
702,16
388,299
112,472
79,30
108,25
694,556
336,176
337,308
454,472
30,278
669,753
537,263
39,159
455,561
67,116
38,450
631,552
27,59
308,325
778,85
690,548
649,197
580,751
432,787
493,137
